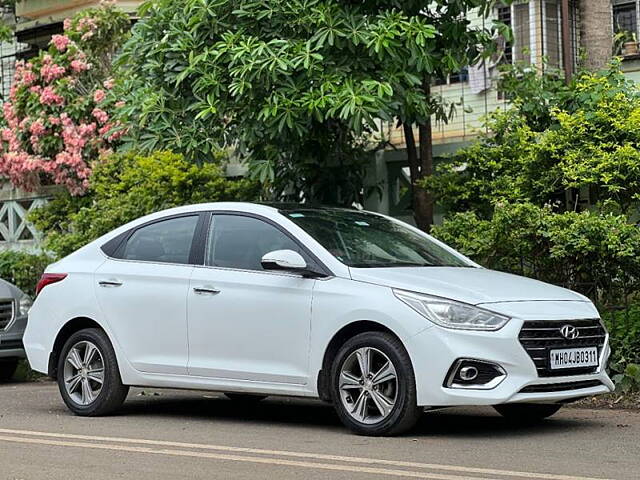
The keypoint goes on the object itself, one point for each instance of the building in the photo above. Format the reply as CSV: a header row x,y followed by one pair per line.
x,y
564,32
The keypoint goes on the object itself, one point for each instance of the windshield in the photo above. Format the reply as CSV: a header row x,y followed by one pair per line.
x,y
364,240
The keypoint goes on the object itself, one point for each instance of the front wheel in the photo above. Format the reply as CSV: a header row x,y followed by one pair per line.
x,y
527,412
7,369
373,385
88,375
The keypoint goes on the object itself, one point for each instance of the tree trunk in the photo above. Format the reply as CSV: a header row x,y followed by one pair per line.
x,y
596,32
421,167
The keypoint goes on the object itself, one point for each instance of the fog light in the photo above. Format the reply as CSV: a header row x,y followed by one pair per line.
x,y
474,374
468,373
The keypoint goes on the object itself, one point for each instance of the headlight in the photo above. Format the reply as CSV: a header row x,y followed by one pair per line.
x,y
450,314
24,304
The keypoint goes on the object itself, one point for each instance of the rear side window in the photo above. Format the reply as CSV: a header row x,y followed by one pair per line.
x,y
167,241
240,242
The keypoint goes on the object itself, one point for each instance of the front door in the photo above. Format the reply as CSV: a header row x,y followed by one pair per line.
x,y
246,323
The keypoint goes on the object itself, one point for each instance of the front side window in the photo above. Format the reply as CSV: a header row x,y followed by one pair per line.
x,y
360,239
236,241
167,241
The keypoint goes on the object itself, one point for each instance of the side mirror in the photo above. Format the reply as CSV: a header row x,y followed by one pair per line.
x,y
286,260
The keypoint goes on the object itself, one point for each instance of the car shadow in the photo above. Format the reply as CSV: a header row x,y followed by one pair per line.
x,y
455,422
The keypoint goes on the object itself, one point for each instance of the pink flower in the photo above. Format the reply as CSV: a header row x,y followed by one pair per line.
x,y
37,128
120,104
61,42
79,66
28,77
36,89
99,96
48,96
100,115
52,72
66,24
108,84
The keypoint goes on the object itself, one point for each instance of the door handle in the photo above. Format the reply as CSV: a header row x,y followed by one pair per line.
x,y
109,283
206,291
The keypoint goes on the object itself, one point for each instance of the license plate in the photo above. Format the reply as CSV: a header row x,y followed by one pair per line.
x,y
574,358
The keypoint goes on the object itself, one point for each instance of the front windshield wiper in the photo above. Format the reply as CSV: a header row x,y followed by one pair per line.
x,y
391,265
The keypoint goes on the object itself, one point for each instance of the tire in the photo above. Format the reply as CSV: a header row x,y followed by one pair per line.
x,y
245,397
358,398
527,412
7,369
105,398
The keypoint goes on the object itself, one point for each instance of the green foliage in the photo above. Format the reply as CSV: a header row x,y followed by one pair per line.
x,y
583,138
23,269
298,86
597,254
127,186
629,379
624,330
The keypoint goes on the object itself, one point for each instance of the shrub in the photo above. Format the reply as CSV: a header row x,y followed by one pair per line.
x,y
127,186
23,269
57,119
595,253
624,330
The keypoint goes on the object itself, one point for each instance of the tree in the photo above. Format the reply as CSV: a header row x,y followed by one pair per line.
x,y
57,119
298,86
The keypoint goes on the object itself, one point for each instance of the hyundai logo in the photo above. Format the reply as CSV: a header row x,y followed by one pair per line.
x,y
569,332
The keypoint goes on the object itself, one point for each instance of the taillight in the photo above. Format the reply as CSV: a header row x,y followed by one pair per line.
x,y
48,279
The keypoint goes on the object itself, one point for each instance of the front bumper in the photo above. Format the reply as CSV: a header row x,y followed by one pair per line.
x,y
434,350
11,339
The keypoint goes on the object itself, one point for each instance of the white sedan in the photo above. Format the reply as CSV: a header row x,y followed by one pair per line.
x,y
352,307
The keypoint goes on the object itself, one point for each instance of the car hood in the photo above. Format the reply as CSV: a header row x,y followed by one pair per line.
x,y
470,285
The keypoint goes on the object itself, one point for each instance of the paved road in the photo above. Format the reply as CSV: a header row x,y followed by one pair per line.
x,y
178,434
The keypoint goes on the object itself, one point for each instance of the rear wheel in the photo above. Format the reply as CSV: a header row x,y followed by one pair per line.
x,y
88,375
527,412
7,369
245,397
373,385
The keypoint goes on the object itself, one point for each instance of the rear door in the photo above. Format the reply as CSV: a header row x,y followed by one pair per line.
x,y
143,293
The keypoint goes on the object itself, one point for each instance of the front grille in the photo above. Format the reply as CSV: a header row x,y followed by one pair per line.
x,y
539,337
6,313
561,387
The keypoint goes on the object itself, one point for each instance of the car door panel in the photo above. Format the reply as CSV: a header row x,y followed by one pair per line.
x,y
256,327
246,323
143,294
147,313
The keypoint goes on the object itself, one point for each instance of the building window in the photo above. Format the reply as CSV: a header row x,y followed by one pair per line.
x,y
517,17
461,76
552,33
521,33
504,16
625,17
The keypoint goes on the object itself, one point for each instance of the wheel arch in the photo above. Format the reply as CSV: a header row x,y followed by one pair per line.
x,y
339,338
72,326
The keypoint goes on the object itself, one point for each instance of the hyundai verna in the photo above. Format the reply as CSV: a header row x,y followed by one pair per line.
x,y
355,308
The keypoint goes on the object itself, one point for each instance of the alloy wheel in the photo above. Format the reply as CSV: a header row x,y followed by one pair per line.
x,y
84,373
368,385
